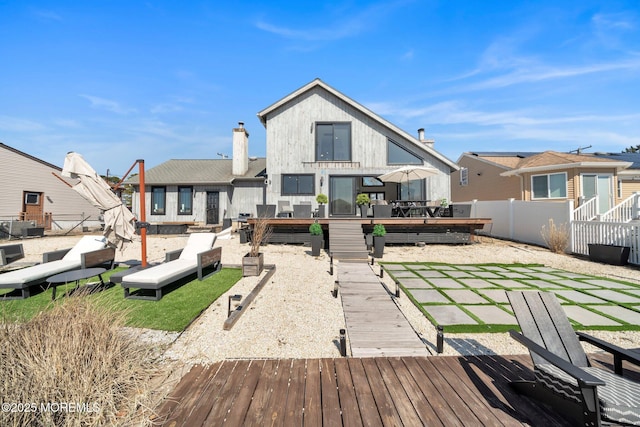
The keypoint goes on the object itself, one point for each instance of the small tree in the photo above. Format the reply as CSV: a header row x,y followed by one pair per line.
x,y
261,233
315,229
322,199
362,199
379,230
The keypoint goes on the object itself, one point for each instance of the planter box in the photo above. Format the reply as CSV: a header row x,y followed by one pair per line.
x,y
609,254
252,266
378,246
317,242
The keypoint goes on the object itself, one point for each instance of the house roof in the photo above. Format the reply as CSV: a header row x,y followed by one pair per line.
x,y
262,115
201,171
35,159
634,158
552,160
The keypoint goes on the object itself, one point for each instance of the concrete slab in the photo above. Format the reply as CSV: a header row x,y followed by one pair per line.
x,y
430,273
579,297
477,283
574,284
615,296
465,267
414,283
446,283
542,284
496,295
610,284
546,276
494,268
514,275
587,317
394,267
510,284
622,313
426,296
403,273
522,269
633,291
463,296
450,315
570,275
443,267
459,274
492,315
487,274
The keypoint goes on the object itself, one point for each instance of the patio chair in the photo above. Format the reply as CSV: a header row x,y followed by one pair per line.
x,y
197,256
302,211
90,251
265,211
284,209
564,377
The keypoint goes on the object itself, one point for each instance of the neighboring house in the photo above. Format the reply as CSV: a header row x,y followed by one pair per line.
x,y
31,192
203,191
321,141
548,175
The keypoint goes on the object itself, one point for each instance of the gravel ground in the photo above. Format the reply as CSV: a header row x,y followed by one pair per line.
x,y
295,314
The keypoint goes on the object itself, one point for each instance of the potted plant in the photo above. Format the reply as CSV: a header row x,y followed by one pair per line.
x,y
317,238
253,261
363,201
321,199
378,240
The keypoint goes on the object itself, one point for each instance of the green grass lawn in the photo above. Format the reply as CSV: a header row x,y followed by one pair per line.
x,y
174,312
471,298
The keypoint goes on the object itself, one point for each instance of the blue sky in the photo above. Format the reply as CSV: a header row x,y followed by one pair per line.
x,y
123,80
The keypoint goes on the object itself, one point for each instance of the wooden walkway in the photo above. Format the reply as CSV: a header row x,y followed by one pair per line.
x,y
434,391
375,325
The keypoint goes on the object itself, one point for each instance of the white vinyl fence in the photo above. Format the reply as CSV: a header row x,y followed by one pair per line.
x,y
523,221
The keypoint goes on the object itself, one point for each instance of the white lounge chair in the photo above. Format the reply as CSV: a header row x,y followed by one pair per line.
x,y
90,251
196,256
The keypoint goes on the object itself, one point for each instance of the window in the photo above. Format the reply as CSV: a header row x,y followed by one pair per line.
x,y
31,198
552,186
371,181
185,200
397,155
158,199
298,184
333,142
412,190
464,177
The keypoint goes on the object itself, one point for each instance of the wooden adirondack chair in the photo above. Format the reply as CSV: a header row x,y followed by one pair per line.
x,y
564,378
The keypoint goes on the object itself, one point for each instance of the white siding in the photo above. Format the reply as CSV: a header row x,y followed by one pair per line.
x,y
20,173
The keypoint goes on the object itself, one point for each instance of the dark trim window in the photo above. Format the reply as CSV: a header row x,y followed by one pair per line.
x,y
333,142
397,155
464,177
371,181
185,200
551,186
298,184
158,200
31,198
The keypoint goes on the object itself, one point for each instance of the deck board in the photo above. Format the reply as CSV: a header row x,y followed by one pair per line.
x,y
397,391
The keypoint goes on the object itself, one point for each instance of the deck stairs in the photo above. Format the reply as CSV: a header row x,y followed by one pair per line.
x,y
347,241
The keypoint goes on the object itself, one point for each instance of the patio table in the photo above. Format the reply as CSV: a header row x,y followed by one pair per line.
x,y
75,276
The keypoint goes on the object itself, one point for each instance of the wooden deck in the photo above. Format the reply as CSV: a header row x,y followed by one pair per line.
x,y
434,391
375,324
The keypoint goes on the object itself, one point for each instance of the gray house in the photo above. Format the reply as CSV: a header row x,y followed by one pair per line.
x,y
318,141
203,191
321,141
31,193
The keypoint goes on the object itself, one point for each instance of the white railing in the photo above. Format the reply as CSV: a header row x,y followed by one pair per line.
x,y
625,211
587,211
607,233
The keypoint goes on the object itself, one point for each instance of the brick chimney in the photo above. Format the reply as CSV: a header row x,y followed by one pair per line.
x,y
240,161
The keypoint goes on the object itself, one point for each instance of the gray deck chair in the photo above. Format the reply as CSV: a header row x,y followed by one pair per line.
x,y
284,209
302,211
564,377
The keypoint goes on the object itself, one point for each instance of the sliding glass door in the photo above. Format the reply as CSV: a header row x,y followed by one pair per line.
x,y
342,195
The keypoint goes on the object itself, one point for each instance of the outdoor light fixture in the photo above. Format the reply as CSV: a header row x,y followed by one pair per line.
x,y
343,343
381,272
236,303
336,284
440,339
397,289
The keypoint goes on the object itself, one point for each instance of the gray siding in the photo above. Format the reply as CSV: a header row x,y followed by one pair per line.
x,y
291,145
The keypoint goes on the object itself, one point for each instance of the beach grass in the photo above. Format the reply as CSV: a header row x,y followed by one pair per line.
x,y
174,312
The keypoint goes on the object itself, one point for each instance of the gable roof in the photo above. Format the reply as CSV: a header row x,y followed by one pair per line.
x,y
35,159
552,160
262,115
200,171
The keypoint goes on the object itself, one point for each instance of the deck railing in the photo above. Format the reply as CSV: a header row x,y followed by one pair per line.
x,y
607,233
587,211
625,211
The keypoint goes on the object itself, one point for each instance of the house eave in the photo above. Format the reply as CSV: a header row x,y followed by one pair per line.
x,y
595,165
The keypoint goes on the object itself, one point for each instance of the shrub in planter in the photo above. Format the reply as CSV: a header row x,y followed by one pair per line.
x,y
363,201
317,238
253,261
378,240
322,199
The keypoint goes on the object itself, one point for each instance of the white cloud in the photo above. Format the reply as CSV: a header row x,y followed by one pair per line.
x,y
107,104
16,124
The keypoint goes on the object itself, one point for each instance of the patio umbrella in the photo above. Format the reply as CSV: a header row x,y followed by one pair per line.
x,y
118,220
408,173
